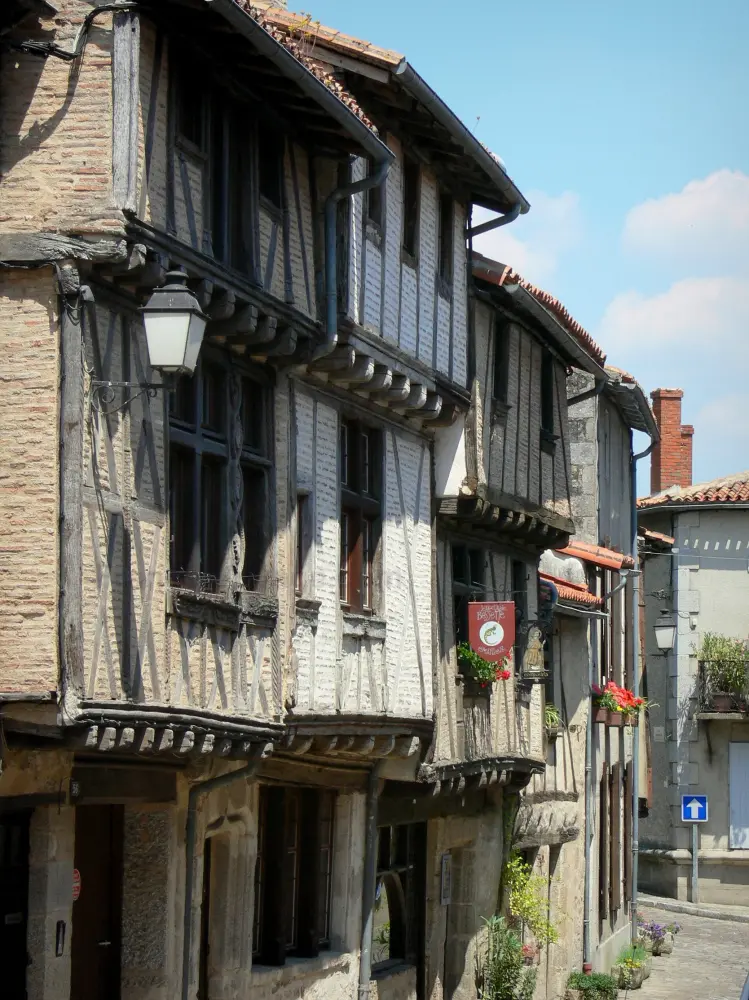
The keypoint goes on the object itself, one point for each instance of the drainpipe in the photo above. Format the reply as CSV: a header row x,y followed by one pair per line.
x,y
331,264
501,220
192,818
597,389
636,689
369,883
592,673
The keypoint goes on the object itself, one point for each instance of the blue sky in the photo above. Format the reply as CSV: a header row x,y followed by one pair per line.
x,y
627,126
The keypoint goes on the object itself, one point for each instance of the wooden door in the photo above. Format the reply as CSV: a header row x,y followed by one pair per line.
x,y
738,784
97,913
14,903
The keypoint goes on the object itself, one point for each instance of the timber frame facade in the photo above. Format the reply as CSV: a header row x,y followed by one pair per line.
x,y
239,753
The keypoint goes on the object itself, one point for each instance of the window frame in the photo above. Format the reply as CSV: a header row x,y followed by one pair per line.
x,y
402,868
360,457
501,361
191,441
279,933
410,208
548,395
446,238
464,588
269,159
375,200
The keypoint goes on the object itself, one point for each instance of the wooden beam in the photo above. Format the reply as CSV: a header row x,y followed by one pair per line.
x,y
39,248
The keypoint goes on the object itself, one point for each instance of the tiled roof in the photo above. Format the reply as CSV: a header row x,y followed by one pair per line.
x,y
572,591
728,490
597,554
294,40
655,537
304,28
547,300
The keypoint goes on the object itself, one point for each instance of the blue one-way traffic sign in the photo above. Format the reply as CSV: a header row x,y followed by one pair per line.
x,y
694,808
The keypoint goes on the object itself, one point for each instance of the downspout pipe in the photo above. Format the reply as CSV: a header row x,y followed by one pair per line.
x,y
369,886
501,220
197,792
592,672
375,179
597,389
636,687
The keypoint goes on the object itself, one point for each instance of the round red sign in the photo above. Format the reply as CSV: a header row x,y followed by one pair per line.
x,y
76,884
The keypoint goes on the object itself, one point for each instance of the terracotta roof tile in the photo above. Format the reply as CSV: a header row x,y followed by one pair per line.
x,y
295,41
597,554
572,591
511,277
655,536
728,489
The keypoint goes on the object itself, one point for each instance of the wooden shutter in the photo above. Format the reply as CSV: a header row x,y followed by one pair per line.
x,y
603,843
615,809
308,933
738,783
628,791
275,899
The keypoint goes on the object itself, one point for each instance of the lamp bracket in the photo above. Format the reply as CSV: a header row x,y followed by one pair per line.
x,y
103,393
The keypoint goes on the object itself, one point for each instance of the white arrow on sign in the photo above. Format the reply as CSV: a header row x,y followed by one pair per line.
x,y
694,808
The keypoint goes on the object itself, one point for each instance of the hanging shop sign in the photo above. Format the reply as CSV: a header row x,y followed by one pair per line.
x,y
491,629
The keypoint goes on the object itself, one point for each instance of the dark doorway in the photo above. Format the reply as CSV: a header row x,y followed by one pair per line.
x,y
14,903
97,913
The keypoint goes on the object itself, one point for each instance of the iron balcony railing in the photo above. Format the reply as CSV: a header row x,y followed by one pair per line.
x,y
723,686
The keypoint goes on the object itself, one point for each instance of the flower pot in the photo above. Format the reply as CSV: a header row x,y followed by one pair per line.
x,y
552,732
630,978
600,714
615,719
723,703
664,947
647,967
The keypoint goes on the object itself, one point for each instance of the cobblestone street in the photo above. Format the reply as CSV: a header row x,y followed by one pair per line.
x,y
710,960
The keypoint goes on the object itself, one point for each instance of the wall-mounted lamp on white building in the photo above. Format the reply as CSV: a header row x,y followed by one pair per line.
x,y
665,631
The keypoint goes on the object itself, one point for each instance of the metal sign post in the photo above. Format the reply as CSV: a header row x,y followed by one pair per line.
x,y
694,811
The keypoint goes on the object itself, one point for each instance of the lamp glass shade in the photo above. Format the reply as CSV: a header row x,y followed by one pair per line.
x,y
175,325
665,631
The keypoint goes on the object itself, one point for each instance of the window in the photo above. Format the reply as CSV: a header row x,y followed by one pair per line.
x,y
468,585
293,872
192,108
446,223
547,393
270,158
231,205
374,198
410,205
398,927
360,475
520,597
303,534
200,425
501,361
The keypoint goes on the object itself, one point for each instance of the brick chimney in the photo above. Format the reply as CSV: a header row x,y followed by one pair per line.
x,y
671,460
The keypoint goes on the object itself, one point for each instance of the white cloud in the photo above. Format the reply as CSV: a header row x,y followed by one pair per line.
x,y
700,315
534,243
704,228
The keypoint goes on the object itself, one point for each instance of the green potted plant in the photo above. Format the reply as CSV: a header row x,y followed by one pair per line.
x,y
591,986
482,671
552,720
502,973
631,967
724,663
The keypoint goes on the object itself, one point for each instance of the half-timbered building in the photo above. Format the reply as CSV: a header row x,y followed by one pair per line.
x,y
238,756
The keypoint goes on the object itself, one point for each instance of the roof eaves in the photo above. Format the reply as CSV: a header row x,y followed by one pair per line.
x,y
325,92
633,405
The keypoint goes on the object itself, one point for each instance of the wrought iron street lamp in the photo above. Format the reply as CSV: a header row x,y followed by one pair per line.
x,y
175,325
665,631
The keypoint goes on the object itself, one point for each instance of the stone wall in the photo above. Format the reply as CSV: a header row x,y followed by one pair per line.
x,y
56,130
29,341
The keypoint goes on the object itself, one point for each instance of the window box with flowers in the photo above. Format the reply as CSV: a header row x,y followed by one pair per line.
x,y
481,672
616,706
